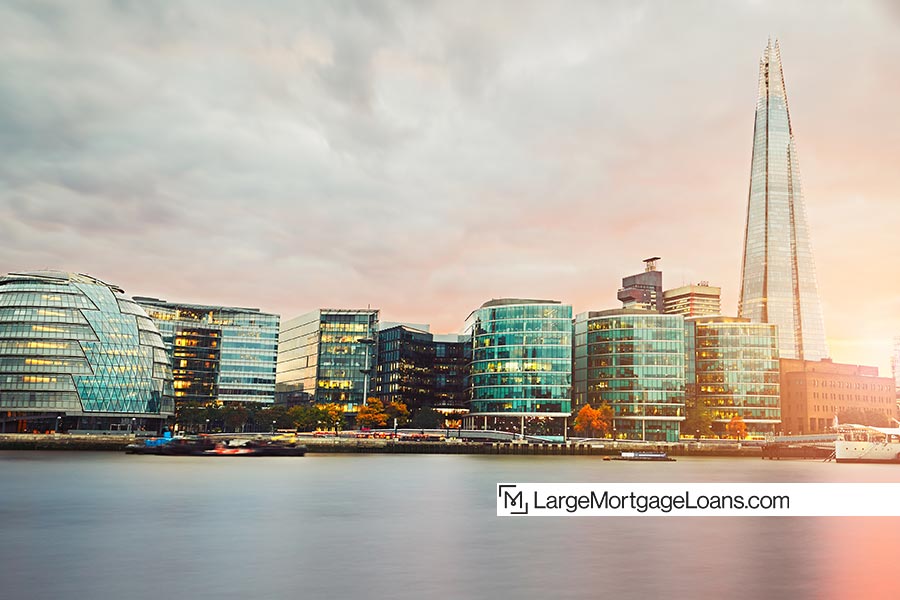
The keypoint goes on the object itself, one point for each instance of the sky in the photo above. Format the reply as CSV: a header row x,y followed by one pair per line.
x,y
425,157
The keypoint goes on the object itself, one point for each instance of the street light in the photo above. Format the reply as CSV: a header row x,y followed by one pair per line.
x,y
58,421
207,426
368,370
132,424
273,427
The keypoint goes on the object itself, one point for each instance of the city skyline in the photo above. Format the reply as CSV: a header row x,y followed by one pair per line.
x,y
291,158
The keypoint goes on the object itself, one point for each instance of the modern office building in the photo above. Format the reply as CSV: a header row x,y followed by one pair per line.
x,y
405,371
329,354
813,393
520,377
452,355
693,300
634,361
643,291
218,353
731,370
77,354
778,281
421,369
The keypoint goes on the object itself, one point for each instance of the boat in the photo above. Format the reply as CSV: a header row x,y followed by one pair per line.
x,y
867,444
204,446
645,456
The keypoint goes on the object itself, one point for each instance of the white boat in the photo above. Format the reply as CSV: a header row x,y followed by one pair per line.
x,y
865,444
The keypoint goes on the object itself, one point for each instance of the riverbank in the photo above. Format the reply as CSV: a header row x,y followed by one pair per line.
x,y
117,443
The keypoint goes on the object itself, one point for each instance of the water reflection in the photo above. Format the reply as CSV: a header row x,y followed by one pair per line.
x,y
105,525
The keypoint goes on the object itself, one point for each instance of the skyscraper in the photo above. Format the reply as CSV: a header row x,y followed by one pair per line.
x,y
778,283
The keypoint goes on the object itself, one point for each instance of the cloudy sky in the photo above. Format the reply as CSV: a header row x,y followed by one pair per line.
x,y
425,157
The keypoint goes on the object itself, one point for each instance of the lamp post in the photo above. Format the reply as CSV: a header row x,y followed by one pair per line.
x,y
132,424
368,342
58,421
273,427
207,426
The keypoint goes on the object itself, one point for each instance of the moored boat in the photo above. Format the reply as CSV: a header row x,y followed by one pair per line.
x,y
644,456
866,444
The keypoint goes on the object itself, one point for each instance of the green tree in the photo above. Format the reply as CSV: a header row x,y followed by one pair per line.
x,y
306,418
698,422
234,416
427,418
332,416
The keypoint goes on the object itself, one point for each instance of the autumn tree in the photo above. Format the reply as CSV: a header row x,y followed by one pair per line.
x,y
594,422
397,410
736,427
698,422
372,414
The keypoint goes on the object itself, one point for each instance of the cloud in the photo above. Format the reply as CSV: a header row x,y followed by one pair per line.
x,y
425,157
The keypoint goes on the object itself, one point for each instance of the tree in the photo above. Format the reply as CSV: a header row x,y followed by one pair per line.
x,y
426,418
736,427
698,422
397,410
372,414
594,422
306,418
234,416
332,416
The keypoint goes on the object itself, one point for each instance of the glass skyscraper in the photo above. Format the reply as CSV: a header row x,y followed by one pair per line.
x,y
329,356
520,377
778,283
634,361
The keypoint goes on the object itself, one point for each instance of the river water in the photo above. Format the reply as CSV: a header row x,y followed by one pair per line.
x,y
106,525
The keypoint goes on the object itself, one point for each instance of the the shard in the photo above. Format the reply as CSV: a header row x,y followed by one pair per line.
x,y
778,283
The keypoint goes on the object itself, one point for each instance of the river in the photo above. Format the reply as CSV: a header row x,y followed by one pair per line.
x,y
106,525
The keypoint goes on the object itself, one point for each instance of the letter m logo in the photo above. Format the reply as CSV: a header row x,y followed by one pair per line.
x,y
512,498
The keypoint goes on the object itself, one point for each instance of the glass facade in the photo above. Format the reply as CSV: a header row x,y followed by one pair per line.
x,y
405,371
74,347
732,370
778,283
521,361
634,361
421,369
218,353
329,354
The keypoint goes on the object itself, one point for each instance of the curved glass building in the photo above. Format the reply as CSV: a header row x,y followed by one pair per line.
x,y
634,361
520,376
76,353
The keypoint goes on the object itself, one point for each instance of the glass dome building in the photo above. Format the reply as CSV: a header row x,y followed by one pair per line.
x,y
77,354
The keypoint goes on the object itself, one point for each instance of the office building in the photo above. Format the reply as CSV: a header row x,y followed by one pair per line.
x,y
643,291
520,377
421,369
731,370
78,354
634,361
813,393
219,353
693,300
778,280
329,354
